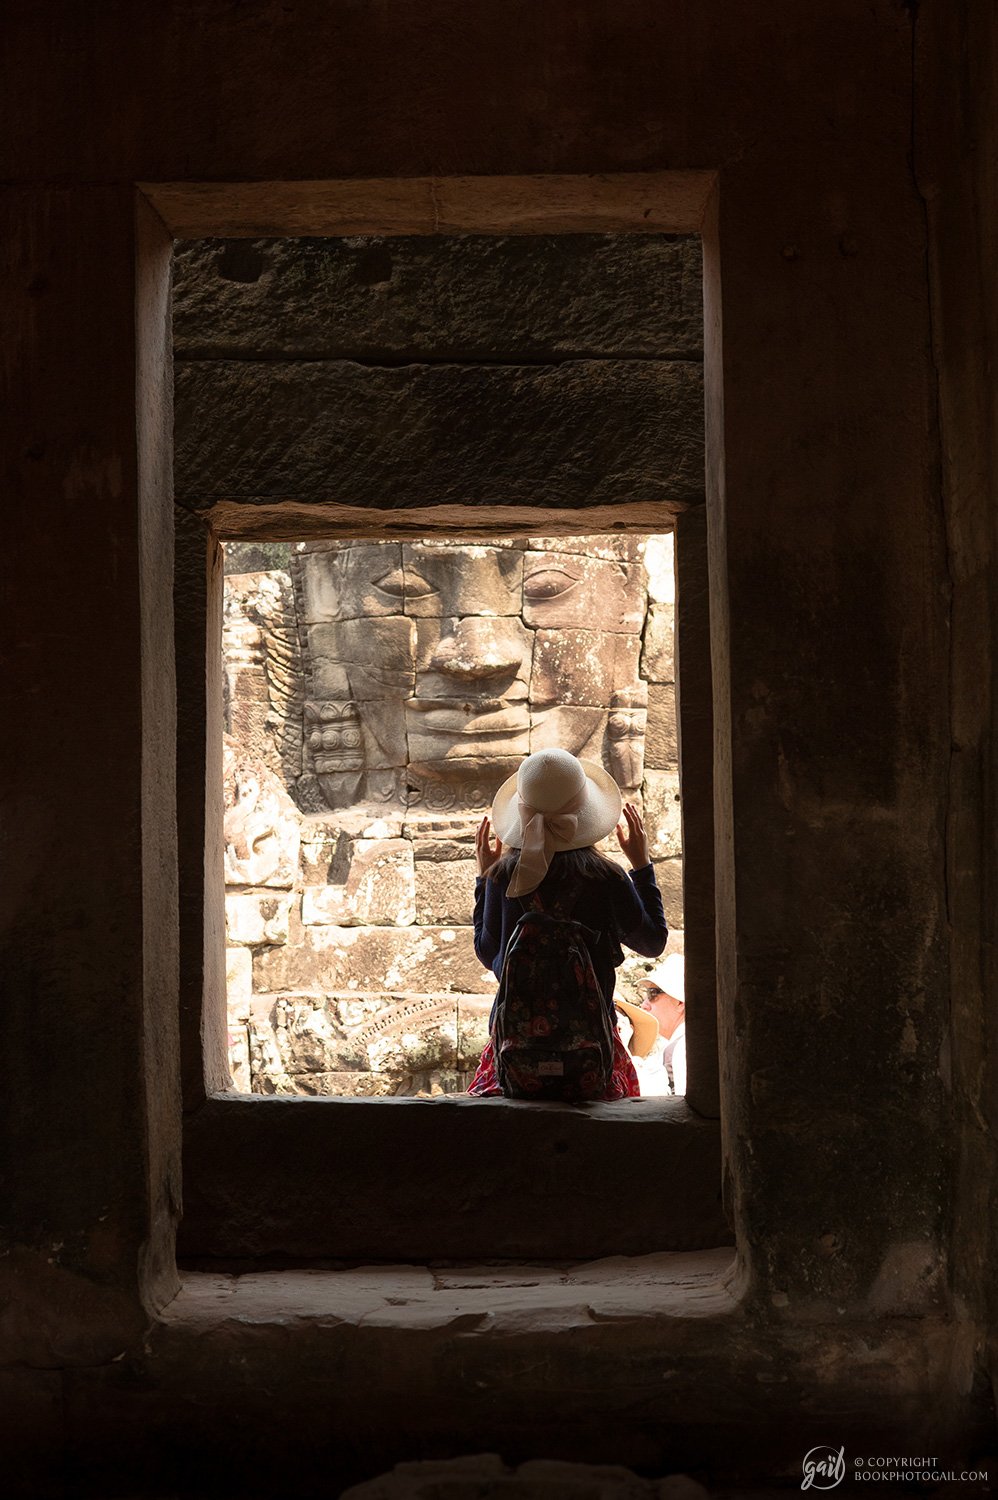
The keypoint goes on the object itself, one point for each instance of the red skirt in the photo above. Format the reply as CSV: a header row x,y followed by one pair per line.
x,y
623,1080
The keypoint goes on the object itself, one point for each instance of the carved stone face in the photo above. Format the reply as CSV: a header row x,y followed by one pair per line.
x,y
436,666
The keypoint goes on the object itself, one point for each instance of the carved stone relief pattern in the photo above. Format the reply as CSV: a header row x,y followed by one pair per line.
x,y
376,696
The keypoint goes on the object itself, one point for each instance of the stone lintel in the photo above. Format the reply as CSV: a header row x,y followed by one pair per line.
x,y
384,299
590,431
292,518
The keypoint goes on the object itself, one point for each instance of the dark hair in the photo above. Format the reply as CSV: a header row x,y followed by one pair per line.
x,y
567,865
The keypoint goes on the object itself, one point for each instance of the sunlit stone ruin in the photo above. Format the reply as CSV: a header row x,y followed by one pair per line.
x,y
376,695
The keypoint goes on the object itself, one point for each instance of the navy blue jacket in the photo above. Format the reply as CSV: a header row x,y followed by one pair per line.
x,y
626,910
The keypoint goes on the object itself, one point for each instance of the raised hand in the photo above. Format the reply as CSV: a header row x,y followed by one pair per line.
x,y
632,838
487,851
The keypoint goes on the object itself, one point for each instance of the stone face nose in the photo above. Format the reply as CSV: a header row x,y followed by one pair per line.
x,y
474,649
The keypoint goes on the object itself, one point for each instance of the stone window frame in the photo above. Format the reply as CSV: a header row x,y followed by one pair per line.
x,y
304,1177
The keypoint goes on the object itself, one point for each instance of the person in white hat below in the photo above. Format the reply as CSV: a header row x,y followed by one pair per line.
x,y
544,823
664,996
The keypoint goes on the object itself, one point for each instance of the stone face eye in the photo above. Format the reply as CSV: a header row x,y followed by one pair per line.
x,y
548,583
417,587
400,584
392,583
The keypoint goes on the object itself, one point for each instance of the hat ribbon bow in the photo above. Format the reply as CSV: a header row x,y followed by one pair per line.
x,y
541,832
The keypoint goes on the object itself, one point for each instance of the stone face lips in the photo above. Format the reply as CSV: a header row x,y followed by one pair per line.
x,y
576,434
440,297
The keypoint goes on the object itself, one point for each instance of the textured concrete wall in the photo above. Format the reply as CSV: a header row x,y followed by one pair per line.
x,y
832,651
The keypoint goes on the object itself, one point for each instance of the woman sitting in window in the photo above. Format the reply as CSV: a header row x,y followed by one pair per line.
x,y
546,820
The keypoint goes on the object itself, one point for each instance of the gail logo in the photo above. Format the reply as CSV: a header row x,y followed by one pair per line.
x,y
824,1468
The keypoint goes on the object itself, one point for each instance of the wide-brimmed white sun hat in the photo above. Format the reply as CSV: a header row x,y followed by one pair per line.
x,y
670,977
554,802
548,780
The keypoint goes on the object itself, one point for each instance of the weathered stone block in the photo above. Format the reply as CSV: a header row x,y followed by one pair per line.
x,y
261,823
441,850
426,960
464,783
444,296
669,874
345,1085
376,657
308,1041
410,1039
622,548
472,1029
581,666
240,1069
282,1084
661,737
320,841
305,1034
355,1012
447,580
662,813
266,1063
378,888
418,1034
445,892
254,917
326,840
358,581
660,558
369,664
580,730
562,589
658,651
261,655
440,824
579,433
238,982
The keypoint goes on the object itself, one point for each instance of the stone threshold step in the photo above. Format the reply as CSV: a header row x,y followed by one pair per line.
x,y
484,1298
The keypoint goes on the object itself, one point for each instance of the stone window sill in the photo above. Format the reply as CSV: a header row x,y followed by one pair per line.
x,y
447,1179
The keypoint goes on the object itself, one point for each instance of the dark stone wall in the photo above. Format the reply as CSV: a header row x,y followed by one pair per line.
x,y
956,144
561,371
854,793
416,298
595,433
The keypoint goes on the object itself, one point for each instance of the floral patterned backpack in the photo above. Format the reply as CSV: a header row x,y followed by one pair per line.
x,y
552,1034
